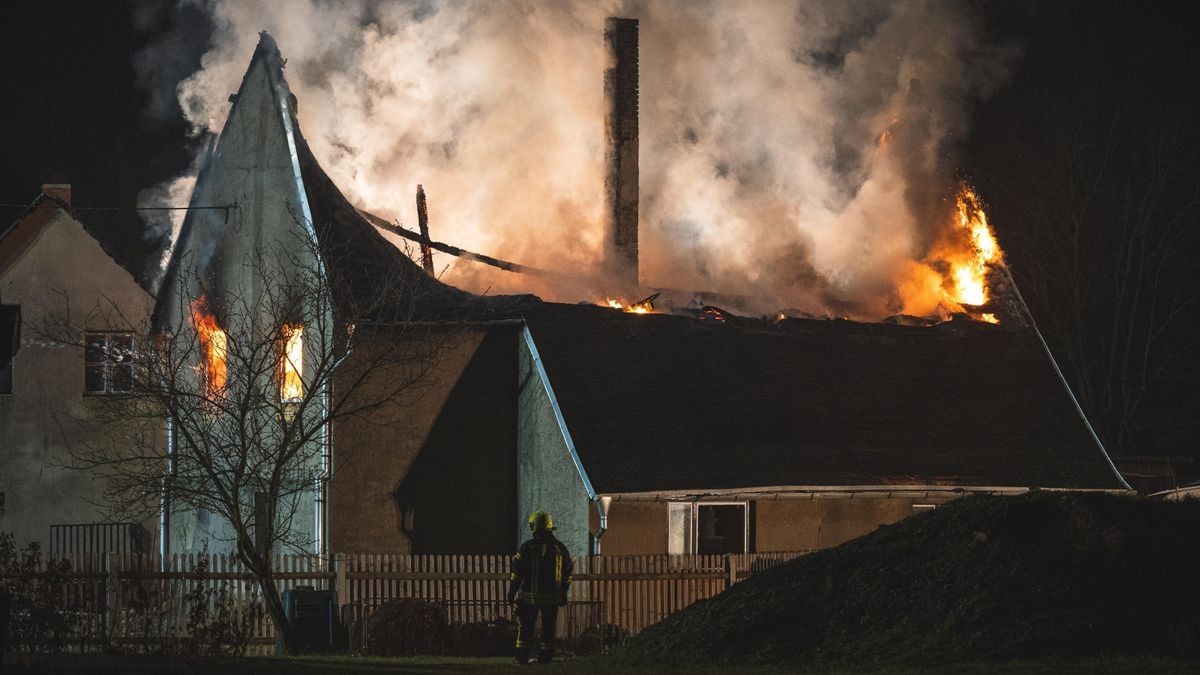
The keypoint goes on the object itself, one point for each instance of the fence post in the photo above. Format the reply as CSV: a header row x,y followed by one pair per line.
x,y
341,586
110,595
730,571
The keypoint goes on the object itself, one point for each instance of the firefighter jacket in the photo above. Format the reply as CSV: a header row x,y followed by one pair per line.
x,y
542,568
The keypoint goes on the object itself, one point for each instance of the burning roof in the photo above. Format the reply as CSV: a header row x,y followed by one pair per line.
x,y
658,402
283,191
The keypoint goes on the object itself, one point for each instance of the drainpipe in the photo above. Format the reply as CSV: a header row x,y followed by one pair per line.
x,y
602,506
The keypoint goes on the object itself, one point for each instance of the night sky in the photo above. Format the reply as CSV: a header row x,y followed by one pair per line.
x,y
1102,102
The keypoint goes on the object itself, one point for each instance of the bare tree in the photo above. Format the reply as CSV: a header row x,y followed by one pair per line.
x,y
236,402
1099,207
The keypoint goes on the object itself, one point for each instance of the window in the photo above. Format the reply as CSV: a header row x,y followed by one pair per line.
x,y
679,528
291,363
107,363
707,528
10,342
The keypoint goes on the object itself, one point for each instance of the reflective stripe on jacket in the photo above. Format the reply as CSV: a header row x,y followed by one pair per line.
x,y
543,566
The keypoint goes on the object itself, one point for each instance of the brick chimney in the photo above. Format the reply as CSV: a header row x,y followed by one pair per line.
x,y
60,191
621,149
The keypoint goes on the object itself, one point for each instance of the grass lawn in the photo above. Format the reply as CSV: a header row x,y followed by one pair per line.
x,y
265,665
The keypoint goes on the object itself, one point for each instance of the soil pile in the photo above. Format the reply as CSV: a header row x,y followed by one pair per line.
x,y
982,579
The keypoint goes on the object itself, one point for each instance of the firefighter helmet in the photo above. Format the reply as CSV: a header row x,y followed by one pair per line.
x,y
540,520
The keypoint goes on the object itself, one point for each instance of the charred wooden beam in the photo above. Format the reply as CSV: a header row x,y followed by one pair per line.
x,y
456,251
423,224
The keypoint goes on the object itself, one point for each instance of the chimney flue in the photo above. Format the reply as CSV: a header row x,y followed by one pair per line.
x,y
59,191
621,149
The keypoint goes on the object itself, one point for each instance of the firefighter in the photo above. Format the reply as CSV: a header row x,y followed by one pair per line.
x,y
541,575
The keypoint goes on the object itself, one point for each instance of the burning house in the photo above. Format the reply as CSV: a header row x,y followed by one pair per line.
x,y
642,432
268,246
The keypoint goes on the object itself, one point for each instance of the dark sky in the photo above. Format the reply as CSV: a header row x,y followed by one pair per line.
x,y
74,113
1097,83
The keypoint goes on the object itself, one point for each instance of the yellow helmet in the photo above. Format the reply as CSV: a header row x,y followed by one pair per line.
x,y
540,520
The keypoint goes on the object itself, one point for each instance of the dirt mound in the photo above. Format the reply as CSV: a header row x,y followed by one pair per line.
x,y
981,579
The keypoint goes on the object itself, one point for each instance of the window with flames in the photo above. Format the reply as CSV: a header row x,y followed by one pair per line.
x,y
290,371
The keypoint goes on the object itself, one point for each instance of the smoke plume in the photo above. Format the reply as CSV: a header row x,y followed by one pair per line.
x,y
795,151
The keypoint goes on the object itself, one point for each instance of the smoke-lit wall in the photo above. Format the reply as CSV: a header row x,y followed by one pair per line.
x,y
801,151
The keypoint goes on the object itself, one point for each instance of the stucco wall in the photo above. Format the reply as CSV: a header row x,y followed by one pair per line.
x,y
641,527
634,528
48,413
439,461
794,524
547,479
242,260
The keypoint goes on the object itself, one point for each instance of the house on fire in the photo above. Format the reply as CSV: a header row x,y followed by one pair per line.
x,y
640,433
652,434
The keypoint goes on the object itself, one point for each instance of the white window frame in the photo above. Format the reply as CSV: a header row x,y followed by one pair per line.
x,y
692,538
107,363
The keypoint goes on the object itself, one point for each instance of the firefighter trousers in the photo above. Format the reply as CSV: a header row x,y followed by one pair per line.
x,y
527,615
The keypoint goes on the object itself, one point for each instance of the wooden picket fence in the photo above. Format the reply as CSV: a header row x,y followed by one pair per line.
x,y
130,599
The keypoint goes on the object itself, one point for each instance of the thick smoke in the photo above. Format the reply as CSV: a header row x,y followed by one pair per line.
x,y
795,151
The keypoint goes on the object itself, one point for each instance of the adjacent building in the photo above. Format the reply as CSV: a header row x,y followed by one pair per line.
x,y
70,317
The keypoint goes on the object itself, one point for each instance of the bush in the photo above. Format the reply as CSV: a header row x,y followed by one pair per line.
x,y
216,624
405,627
482,638
598,640
41,617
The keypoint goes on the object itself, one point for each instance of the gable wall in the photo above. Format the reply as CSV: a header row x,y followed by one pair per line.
x,y
439,462
547,478
64,271
229,257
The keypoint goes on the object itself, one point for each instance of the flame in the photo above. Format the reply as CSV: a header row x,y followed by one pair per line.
x,y
645,306
214,348
953,277
291,364
970,270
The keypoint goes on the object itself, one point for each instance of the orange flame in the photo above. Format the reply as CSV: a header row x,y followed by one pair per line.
x,y
643,307
954,276
214,348
291,364
970,270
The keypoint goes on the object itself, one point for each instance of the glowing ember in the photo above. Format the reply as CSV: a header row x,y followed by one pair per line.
x,y
644,306
989,317
291,364
214,349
